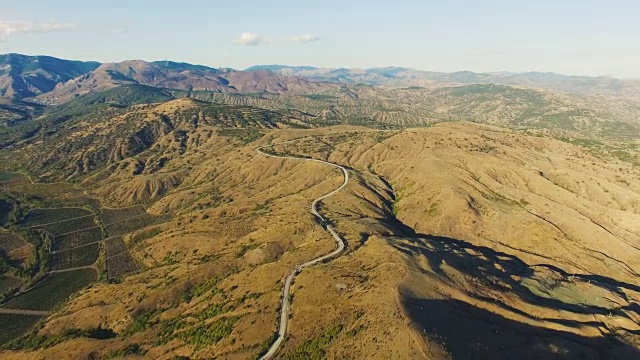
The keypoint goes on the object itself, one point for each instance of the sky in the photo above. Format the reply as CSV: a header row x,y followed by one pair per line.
x,y
564,36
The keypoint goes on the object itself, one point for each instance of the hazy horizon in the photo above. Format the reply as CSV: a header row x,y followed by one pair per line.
x,y
572,38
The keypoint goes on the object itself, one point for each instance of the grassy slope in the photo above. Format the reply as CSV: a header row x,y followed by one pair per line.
x,y
485,192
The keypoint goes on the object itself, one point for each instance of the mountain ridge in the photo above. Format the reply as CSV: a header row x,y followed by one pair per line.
x,y
51,80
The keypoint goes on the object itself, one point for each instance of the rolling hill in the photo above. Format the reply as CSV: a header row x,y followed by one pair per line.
x,y
138,219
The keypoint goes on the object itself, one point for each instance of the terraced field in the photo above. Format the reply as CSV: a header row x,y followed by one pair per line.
x,y
13,326
120,265
119,260
121,222
75,257
115,246
10,241
8,282
70,226
50,217
110,216
77,238
52,290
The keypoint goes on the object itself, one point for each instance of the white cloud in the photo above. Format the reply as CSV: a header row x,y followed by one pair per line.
x,y
253,39
9,28
249,39
307,38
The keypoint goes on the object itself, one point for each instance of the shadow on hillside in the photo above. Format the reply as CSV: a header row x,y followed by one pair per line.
x,y
472,333
506,272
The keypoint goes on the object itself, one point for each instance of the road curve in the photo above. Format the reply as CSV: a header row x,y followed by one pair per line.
x,y
284,311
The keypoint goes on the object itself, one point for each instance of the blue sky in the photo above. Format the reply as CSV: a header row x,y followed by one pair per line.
x,y
572,37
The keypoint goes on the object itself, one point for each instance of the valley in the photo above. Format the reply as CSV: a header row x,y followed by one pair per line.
x,y
282,217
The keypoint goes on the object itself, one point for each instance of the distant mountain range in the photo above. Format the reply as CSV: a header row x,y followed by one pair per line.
x,y
405,77
48,80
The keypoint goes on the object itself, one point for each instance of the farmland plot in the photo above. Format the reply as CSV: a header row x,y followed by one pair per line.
x,y
115,246
132,224
8,282
75,257
39,217
119,260
77,238
14,326
120,265
110,216
69,226
10,241
52,290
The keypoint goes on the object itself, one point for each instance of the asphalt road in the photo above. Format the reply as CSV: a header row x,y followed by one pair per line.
x,y
286,306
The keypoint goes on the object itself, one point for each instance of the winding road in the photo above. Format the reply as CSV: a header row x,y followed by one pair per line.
x,y
284,311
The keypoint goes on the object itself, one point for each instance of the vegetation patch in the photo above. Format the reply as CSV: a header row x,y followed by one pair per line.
x,y
6,208
39,217
129,350
315,349
10,241
110,216
8,282
75,257
128,226
265,345
69,226
144,320
77,238
246,136
14,326
6,176
210,286
120,265
33,341
52,290
199,336
115,246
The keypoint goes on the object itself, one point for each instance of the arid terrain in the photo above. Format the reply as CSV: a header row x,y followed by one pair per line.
x,y
480,221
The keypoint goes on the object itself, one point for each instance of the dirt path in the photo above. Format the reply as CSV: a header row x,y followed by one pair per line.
x,y
23,312
284,312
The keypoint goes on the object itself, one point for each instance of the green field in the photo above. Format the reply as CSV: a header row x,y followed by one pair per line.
x,y
76,257
40,217
69,226
52,290
14,326
77,238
